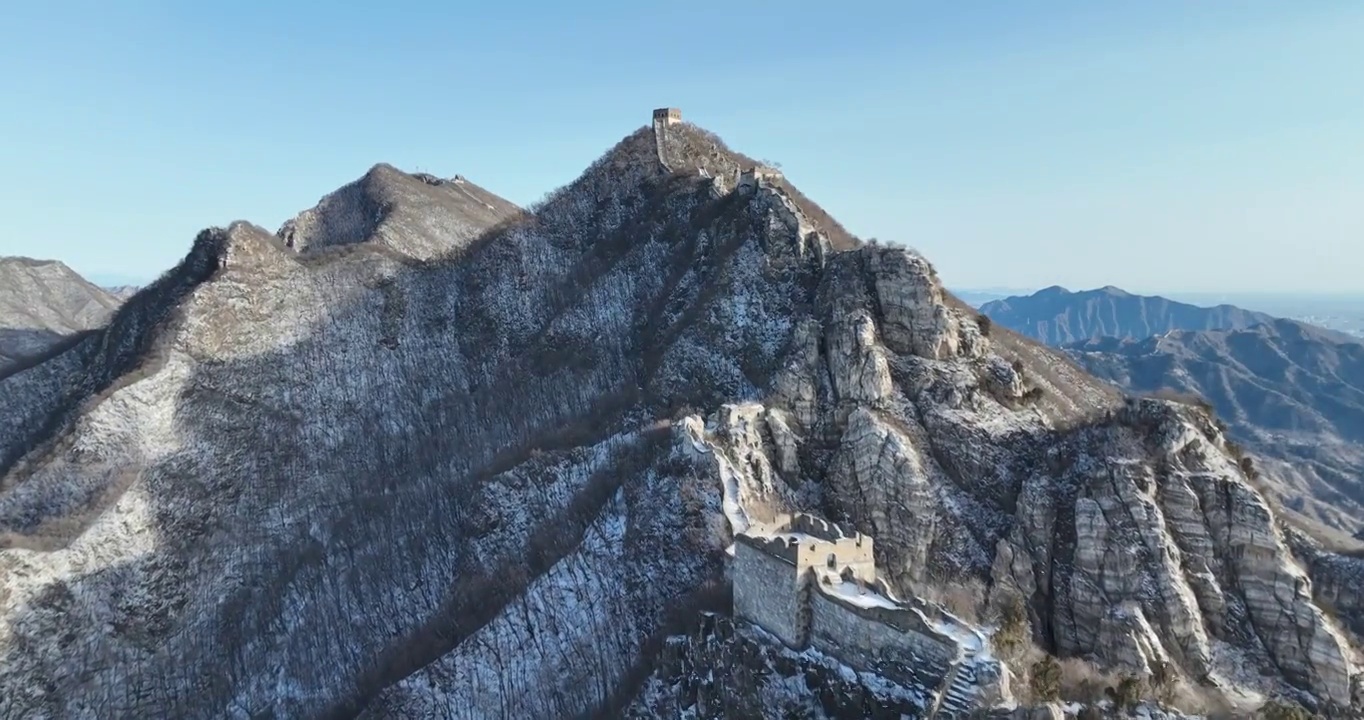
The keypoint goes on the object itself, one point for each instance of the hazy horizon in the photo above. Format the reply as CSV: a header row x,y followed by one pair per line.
x,y
1172,294
1203,148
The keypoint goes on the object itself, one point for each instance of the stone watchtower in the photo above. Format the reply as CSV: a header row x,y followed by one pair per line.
x,y
668,116
774,568
752,178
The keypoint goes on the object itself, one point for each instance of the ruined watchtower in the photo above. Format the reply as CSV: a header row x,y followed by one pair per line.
x,y
774,564
668,116
750,179
813,584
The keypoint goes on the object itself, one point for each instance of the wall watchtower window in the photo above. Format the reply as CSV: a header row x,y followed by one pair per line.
x,y
832,559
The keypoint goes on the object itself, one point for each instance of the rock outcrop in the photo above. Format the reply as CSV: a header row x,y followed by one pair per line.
x,y
1168,556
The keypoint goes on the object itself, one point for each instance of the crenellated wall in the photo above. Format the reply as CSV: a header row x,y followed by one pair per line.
x,y
668,116
772,571
835,556
823,529
826,547
752,178
780,547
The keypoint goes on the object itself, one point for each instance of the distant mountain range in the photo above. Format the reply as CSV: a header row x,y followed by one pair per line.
x,y
975,297
1291,392
43,301
119,280
1057,315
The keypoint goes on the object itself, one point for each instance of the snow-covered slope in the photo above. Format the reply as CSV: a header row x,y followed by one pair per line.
x,y
456,462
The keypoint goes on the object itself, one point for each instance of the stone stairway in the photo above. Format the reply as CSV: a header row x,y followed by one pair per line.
x,y
958,699
659,129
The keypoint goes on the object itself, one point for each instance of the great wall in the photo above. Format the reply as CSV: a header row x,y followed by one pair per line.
x,y
680,152
805,581
813,585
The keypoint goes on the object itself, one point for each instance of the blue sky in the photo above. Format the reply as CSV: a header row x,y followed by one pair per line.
x,y
1157,146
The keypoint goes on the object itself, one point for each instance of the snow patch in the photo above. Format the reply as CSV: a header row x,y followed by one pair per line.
x,y
858,595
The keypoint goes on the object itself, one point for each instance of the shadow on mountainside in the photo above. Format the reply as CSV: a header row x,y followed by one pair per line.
x,y
349,463
22,348
390,515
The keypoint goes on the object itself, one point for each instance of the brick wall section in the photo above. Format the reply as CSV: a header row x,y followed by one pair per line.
x,y
849,549
845,553
893,643
767,593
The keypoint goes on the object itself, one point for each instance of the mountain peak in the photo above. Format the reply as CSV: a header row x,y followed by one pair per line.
x,y
683,147
416,214
1113,290
249,246
1057,316
29,262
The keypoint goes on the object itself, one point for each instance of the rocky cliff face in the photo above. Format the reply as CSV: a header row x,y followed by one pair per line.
x,y
1056,315
416,468
42,302
1169,559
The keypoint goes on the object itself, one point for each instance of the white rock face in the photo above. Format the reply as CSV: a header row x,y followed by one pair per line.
x,y
917,321
1134,646
507,461
1168,555
879,475
857,363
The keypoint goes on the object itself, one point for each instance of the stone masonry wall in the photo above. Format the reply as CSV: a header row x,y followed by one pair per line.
x,y
845,553
821,528
870,645
824,539
766,593
780,547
